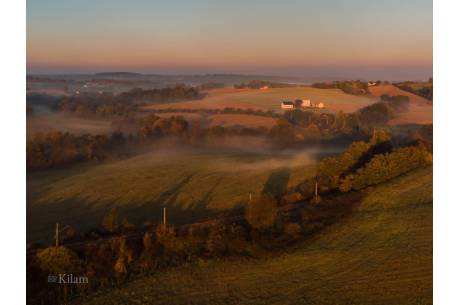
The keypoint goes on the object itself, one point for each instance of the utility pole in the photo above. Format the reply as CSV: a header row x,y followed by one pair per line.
x,y
250,197
56,236
316,190
164,216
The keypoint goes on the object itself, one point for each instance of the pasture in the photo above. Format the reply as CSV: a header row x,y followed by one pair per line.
x,y
380,254
270,99
192,184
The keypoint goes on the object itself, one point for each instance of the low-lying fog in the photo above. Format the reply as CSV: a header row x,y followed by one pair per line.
x,y
250,153
43,120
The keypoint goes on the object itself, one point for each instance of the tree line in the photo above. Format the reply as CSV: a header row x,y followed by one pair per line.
x,y
57,149
362,164
369,163
356,87
258,84
226,110
425,91
125,103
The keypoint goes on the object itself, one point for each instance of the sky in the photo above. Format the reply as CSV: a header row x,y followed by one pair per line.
x,y
385,39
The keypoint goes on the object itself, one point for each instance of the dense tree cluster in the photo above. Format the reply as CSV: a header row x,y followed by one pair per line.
x,y
261,212
378,113
89,104
399,103
257,84
210,85
356,87
57,149
385,110
425,91
297,127
125,103
369,163
163,95
226,110
152,127
383,167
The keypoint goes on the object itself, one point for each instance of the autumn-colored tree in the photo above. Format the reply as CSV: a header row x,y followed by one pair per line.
x,y
261,212
166,236
120,268
111,221
147,259
379,136
58,260
283,133
127,225
217,243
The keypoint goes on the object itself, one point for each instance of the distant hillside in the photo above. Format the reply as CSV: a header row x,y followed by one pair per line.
x,y
117,74
167,79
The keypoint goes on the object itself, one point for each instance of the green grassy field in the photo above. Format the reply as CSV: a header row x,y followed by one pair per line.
x,y
270,99
192,185
380,254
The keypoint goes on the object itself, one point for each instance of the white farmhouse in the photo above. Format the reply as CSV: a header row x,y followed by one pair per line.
x,y
320,105
287,105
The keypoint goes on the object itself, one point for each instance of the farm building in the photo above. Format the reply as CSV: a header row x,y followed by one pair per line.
x,y
317,105
287,105
306,103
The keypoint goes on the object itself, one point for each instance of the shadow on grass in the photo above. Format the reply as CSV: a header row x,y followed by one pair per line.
x,y
277,182
176,213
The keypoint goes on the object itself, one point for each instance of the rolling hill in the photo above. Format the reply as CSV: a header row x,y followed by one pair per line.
x,y
192,184
420,109
270,99
381,254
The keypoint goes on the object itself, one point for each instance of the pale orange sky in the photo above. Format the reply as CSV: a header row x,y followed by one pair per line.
x,y
218,36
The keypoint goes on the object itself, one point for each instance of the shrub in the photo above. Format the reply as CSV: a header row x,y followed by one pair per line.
x,y
165,234
292,230
377,113
261,212
111,221
58,260
216,242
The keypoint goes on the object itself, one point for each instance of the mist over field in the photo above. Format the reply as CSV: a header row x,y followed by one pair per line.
x,y
57,121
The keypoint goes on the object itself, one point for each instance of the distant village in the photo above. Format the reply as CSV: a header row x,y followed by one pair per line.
x,y
298,103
